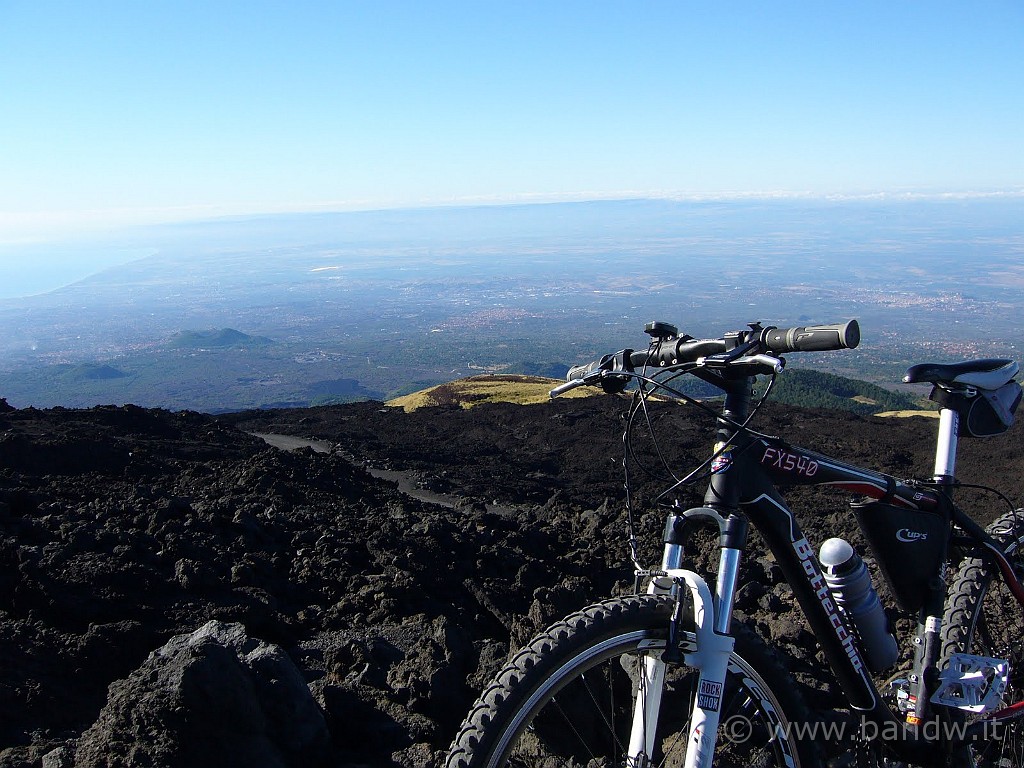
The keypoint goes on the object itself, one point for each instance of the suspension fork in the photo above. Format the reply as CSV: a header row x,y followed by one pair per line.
x,y
712,618
712,615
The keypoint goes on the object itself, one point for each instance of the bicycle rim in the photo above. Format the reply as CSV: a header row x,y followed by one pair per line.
x,y
990,623
578,712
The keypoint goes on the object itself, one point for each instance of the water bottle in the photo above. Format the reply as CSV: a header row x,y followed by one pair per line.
x,y
850,583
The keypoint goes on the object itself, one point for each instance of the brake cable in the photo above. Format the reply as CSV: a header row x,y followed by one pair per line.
x,y
639,404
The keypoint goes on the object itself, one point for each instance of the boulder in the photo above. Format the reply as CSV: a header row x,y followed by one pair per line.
x,y
216,698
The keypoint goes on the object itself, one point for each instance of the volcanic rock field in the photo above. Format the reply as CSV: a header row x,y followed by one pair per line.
x,y
175,591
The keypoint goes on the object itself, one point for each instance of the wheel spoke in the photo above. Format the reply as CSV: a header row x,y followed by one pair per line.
x,y
568,698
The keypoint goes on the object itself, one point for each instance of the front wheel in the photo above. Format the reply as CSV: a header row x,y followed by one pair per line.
x,y
566,699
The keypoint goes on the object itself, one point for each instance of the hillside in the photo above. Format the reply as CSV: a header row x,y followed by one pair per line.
x,y
121,527
217,338
796,386
492,388
76,374
816,389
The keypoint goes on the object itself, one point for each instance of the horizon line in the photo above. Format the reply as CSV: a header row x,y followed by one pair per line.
x,y
100,221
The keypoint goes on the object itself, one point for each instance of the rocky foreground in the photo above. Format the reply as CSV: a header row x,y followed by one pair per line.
x,y
174,591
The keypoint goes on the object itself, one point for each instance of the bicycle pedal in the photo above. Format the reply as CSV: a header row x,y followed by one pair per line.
x,y
972,683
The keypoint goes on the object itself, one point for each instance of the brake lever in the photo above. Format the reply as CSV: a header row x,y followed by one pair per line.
x,y
561,389
728,359
612,374
773,364
725,359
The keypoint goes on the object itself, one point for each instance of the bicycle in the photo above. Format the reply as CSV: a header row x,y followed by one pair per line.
x,y
664,676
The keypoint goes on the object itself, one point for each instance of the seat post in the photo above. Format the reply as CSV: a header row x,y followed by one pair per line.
x,y
945,447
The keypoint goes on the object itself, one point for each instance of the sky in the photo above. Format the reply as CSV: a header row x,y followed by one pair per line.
x,y
119,112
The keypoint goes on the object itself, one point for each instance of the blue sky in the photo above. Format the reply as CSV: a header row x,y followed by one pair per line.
x,y
120,112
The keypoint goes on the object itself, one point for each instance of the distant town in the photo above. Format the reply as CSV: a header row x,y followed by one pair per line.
x,y
293,311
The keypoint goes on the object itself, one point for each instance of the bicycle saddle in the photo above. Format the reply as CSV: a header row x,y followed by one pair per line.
x,y
983,374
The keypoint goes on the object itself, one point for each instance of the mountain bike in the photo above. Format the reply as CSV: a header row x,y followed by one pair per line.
x,y
665,676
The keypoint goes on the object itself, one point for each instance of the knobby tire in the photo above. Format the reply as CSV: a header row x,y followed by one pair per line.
x,y
566,698
982,617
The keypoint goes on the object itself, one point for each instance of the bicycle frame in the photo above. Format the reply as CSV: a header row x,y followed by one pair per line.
x,y
746,472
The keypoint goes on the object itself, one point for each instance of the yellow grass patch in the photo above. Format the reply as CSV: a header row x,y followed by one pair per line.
x,y
904,414
496,388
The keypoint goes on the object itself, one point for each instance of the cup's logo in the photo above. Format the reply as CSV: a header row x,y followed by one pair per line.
x,y
909,536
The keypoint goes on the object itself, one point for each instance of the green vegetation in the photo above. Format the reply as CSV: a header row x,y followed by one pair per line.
x,y
91,372
217,338
800,387
815,389
544,370
282,375
797,386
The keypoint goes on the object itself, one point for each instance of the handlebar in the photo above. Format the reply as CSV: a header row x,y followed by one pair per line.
x,y
813,338
754,347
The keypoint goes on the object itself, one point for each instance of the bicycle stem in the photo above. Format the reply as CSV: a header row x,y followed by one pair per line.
x,y
723,492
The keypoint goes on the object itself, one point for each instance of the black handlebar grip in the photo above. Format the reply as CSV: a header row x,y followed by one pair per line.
x,y
813,338
579,371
